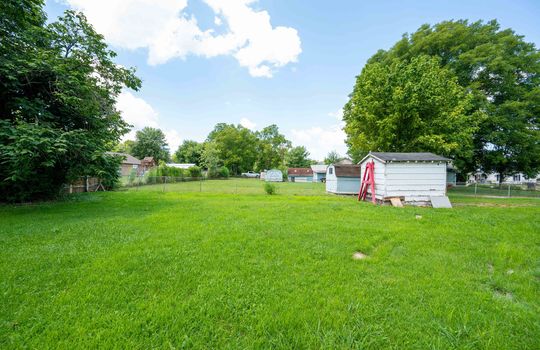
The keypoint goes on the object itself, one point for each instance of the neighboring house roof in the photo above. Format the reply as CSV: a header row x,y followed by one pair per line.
x,y
181,165
319,168
345,161
406,157
300,172
127,158
148,159
347,170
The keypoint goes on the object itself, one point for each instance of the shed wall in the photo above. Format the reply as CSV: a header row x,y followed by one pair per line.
x,y
415,180
331,180
348,185
273,176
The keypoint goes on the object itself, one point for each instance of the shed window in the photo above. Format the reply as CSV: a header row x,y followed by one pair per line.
x,y
330,171
517,177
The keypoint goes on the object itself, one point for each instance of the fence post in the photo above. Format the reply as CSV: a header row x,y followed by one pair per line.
x,y
164,181
508,190
200,184
475,188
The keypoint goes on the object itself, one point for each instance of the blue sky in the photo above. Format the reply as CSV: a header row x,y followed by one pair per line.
x,y
297,72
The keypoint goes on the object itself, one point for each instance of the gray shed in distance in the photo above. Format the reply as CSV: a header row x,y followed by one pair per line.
x,y
343,178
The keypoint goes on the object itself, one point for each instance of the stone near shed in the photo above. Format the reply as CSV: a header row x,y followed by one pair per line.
x,y
440,202
359,256
396,202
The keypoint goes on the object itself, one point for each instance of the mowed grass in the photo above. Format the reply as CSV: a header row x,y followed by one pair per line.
x,y
231,267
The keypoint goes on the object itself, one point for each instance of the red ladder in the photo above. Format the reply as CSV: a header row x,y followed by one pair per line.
x,y
367,180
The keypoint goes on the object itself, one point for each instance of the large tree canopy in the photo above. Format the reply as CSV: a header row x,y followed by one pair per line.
x,y
58,85
407,106
272,148
237,146
298,157
150,142
500,75
189,152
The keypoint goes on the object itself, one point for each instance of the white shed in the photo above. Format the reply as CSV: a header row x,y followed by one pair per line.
x,y
414,177
343,178
273,175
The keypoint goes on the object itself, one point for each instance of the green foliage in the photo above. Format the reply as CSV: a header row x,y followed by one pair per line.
x,y
500,73
270,188
189,152
271,148
410,106
332,158
235,146
210,158
125,147
59,85
298,157
224,172
195,171
257,265
150,142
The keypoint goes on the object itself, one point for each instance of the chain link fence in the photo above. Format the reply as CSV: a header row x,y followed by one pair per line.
x,y
231,185
528,190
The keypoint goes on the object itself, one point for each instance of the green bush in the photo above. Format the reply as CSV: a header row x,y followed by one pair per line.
x,y
224,172
270,188
195,171
132,176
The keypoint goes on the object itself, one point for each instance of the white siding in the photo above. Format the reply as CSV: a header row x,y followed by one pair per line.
x,y
412,180
300,178
273,175
348,185
331,180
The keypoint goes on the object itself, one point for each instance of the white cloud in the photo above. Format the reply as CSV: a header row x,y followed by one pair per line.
x,y
319,141
173,139
136,111
167,32
139,113
337,114
246,123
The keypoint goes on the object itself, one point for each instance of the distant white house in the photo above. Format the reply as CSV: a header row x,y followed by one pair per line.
x,y
343,178
413,177
319,172
181,165
493,178
273,175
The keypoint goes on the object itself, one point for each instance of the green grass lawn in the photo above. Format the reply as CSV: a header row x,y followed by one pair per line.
x,y
229,267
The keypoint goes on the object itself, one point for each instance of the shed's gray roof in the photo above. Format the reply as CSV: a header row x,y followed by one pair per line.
x,y
407,157
126,158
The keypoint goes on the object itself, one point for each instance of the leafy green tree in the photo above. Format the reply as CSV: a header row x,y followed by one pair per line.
x,y
332,158
409,106
125,147
210,158
298,157
189,152
237,147
150,142
501,74
271,148
57,97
